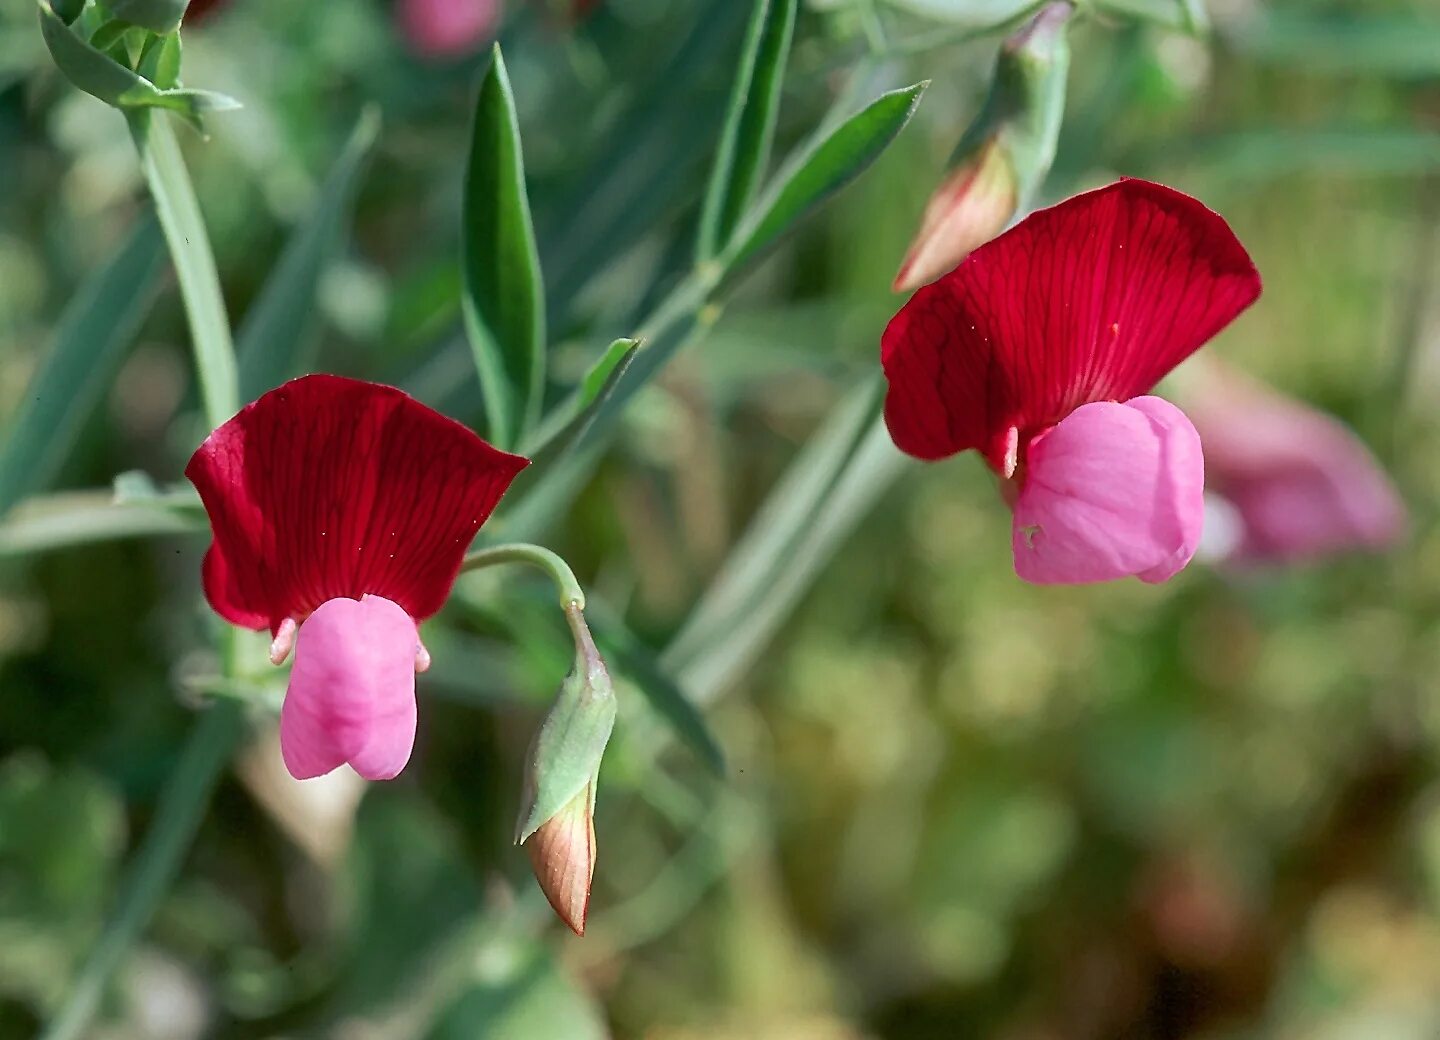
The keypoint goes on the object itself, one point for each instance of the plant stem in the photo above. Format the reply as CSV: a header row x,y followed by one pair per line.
x,y
207,750
177,817
571,594
184,228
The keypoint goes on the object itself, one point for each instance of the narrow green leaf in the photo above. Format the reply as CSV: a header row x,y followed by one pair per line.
x,y
630,657
159,16
103,77
69,10
90,342
831,485
189,244
821,170
566,424
276,339
504,296
160,60
749,124
85,517
560,446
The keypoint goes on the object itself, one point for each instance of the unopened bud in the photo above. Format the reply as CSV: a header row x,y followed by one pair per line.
x,y
1004,155
972,205
557,819
562,851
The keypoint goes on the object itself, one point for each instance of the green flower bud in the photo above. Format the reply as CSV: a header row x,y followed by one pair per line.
x,y
1004,155
557,818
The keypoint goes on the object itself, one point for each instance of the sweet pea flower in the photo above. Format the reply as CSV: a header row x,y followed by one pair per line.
x,y
447,28
1298,482
1038,351
341,511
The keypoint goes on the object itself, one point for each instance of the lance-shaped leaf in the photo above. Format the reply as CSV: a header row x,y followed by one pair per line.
x,y
84,517
504,296
276,338
638,663
566,424
557,444
90,342
749,124
822,169
102,76
159,16
160,60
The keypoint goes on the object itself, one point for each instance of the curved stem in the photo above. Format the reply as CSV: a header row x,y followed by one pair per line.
x,y
213,739
571,594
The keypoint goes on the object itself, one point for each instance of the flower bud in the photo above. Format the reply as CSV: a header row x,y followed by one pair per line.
x,y
1005,154
557,820
562,853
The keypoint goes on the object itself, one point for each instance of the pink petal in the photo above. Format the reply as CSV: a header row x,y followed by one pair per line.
x,y
1091,300
1113,490
352,691
1302,483
328,487
445,28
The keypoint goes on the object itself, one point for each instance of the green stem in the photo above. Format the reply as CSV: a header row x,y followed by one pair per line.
x,y
177,817
184,228
211,742
571,594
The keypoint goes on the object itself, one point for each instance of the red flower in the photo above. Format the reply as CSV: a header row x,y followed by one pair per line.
x,y
341,511
1089,302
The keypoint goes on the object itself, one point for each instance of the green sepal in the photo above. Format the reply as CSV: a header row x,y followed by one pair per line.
x,y
1026,103
566,754
102,76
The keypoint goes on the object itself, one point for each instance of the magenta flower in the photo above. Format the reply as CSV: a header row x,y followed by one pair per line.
x,y
447,28
1301,483
341,511
1036,351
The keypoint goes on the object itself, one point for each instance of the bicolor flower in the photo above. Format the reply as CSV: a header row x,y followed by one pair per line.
x,y
1038,351
1299,483
447,28
341,512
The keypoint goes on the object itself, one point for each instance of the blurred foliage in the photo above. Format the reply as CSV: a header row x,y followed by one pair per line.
x,y
953,805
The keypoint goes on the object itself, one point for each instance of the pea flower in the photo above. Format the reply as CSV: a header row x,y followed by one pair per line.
x,y
1299,484
447,28
1038,351
341,511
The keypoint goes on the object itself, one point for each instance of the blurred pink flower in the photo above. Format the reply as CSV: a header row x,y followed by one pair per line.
x,y
447,28
1301,483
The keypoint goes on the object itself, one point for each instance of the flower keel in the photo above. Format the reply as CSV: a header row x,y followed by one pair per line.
x,y
352,691
1113,490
